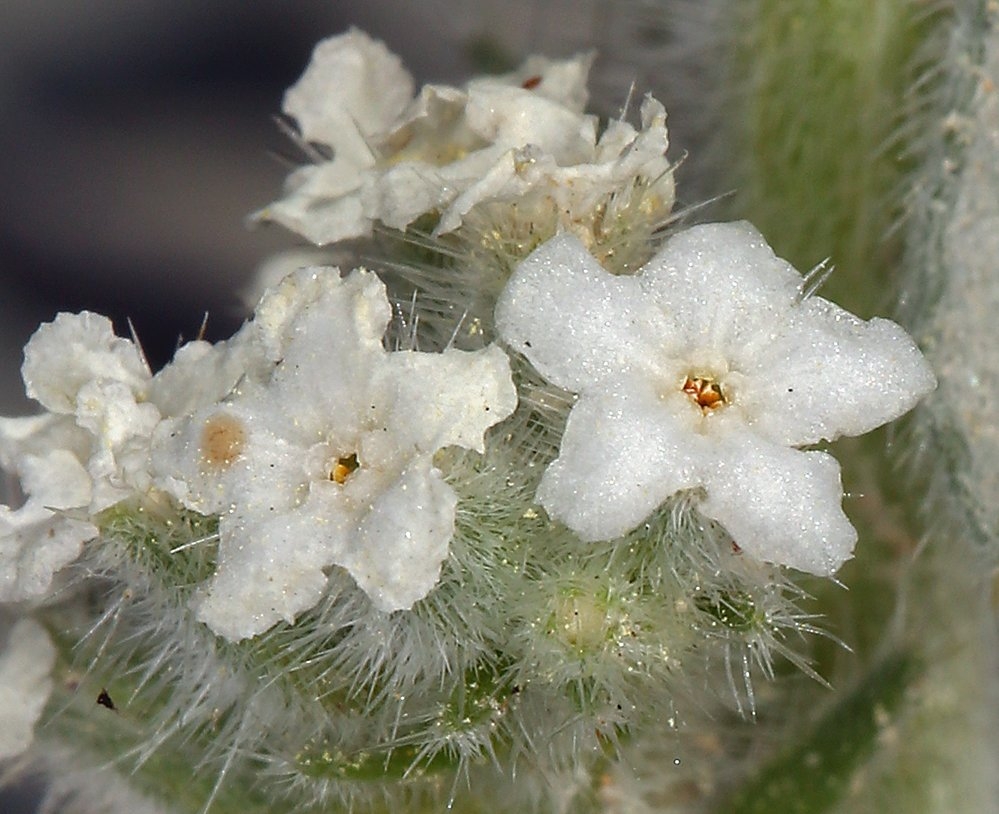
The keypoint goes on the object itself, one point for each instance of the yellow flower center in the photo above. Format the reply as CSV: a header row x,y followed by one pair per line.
x,y
705,392
344,468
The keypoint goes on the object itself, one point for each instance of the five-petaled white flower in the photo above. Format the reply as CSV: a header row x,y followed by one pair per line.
x,y
330,460
706,370
395,158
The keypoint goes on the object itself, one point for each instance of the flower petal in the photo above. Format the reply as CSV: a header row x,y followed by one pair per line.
x,y
401,543
440,399
623,453
229,454
578,324
831,374
562,81
348,312
72,350
322,202
111,413
511,117
202,373
353,84
270,569
402,193
35,541
780,505
724,289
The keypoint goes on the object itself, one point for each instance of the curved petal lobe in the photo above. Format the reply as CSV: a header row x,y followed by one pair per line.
x,y
780,505
622,455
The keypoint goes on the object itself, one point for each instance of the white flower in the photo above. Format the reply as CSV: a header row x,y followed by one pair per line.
x,y
706,370
25,684
330,462
395,158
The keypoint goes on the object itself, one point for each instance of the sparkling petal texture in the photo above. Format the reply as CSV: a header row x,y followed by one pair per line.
x,y
354,87
458,416
322,203
270,569
37,539
203,373
779,504
202,460
120,427
835,374
400,544
705,370
623,453
356,315
607,321
725,290
47,454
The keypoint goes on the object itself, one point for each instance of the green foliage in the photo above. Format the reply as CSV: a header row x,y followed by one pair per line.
x,y
818,89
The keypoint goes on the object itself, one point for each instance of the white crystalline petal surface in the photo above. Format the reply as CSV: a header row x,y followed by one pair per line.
x,y
35,541
358,313
322,203
72,350
270,569
510,117
834,374
458,415
75,366
562,81
724,289
781,505
401,194
25,685
120,428
402,541
202,373
623,453
203,460
350,98
578,324
274,460
715,315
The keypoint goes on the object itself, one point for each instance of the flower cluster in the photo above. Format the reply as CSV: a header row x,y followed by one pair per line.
x,y
520,140
416,516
